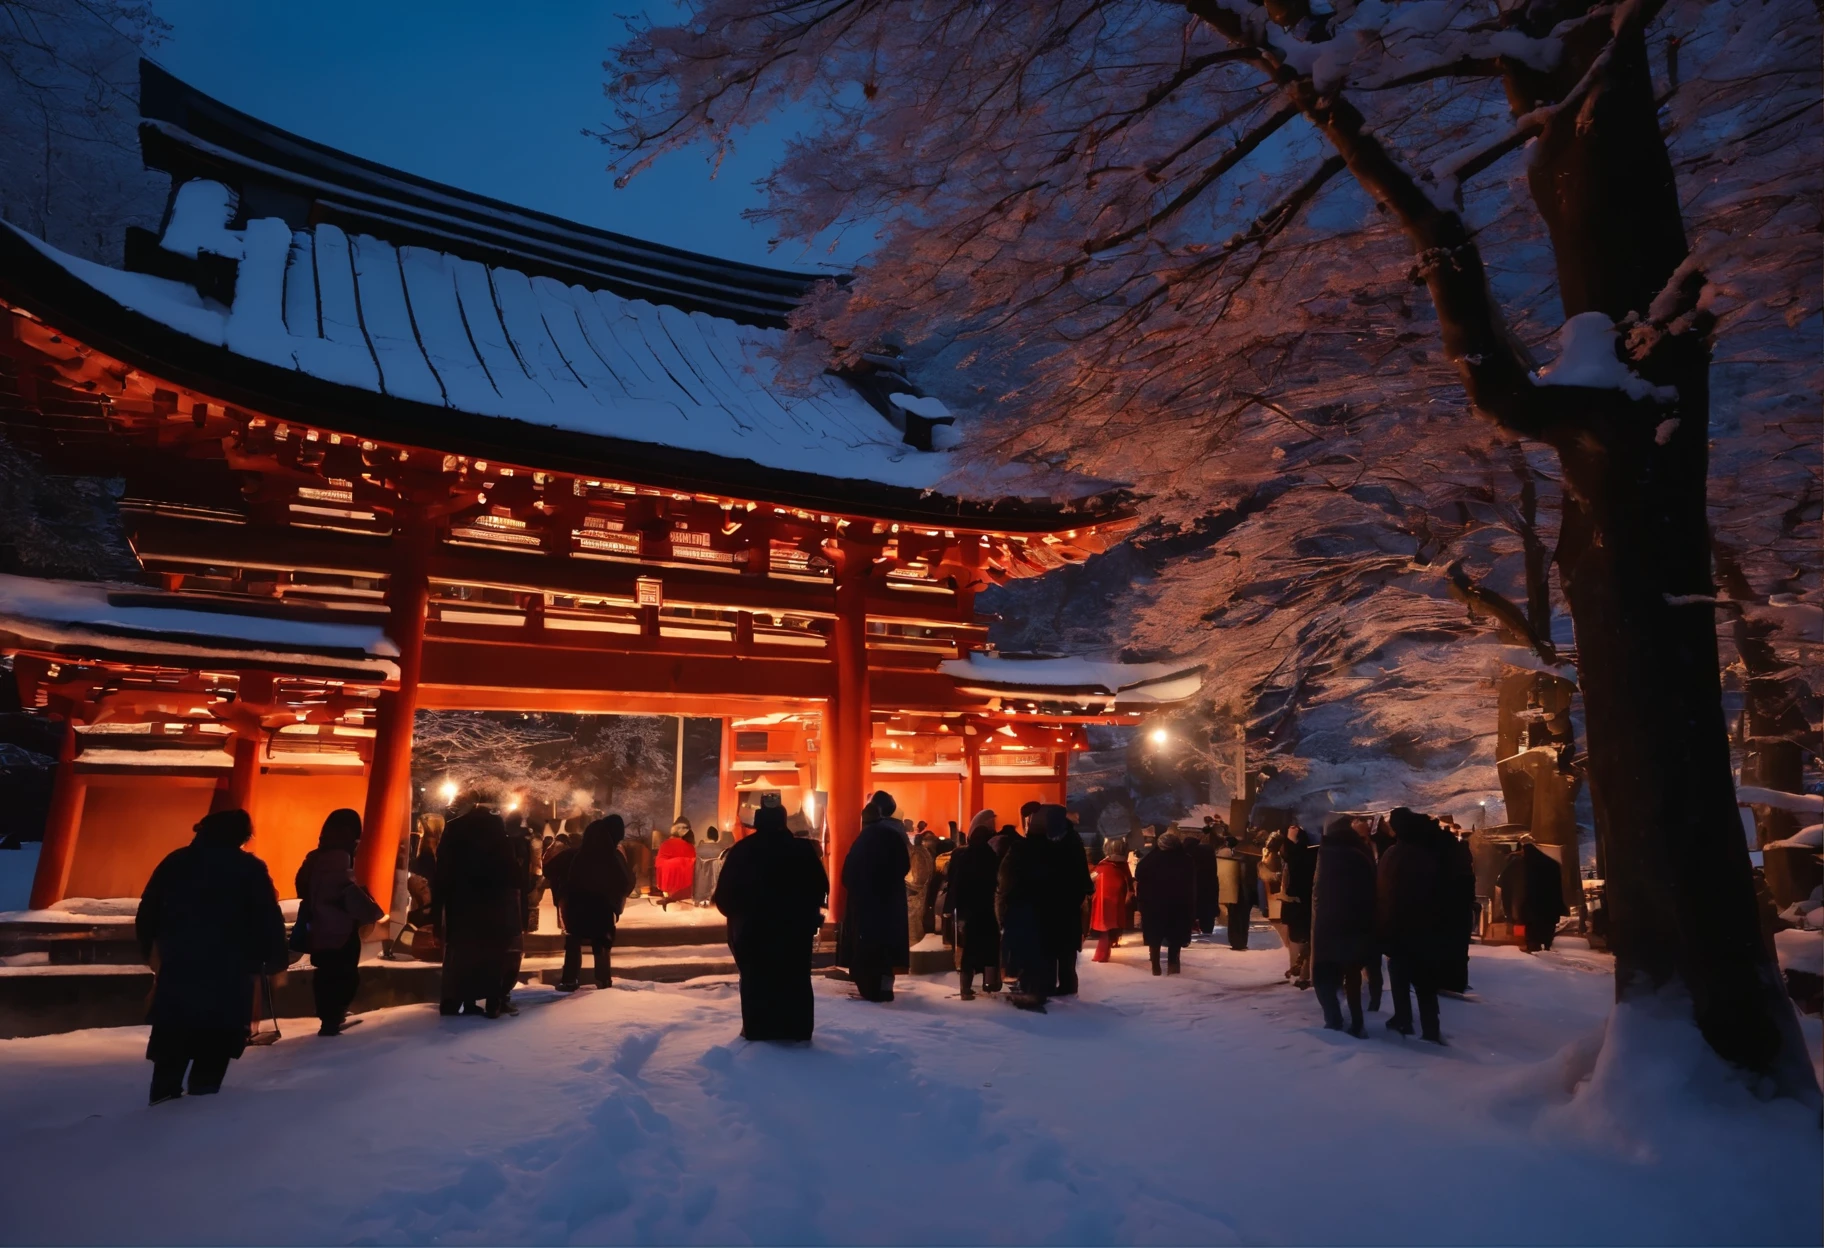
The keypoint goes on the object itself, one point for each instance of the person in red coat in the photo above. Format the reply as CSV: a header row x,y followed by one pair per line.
x,y
674,871
1113,904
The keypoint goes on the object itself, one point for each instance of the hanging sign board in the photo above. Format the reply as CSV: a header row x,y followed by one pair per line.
x,y
648,592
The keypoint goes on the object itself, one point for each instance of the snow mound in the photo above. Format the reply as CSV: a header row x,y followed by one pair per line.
x,y
1650,1088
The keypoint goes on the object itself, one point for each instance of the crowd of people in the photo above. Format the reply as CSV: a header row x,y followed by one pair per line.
x,y
1016,902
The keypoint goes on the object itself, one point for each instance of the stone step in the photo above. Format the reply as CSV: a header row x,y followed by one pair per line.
x,y
111,942
50,999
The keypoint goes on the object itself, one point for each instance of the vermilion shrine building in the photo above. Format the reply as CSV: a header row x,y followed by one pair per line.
x,y
388,445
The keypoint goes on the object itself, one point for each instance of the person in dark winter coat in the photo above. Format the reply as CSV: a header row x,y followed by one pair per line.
x,y
1377,840
1203,870
595,890
874,922
1235,890
772,889
1532,893
477,900
332,910
1458,862
1342,921
1165,888
1413,919
1295,908
1067,887
972,876
525,870
208,923
1022,905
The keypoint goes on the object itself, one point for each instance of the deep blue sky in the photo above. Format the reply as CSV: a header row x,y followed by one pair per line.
x,y
490,97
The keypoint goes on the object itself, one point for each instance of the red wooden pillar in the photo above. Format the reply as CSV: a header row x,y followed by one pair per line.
x,y
849,723
972,755
60,827
728,802
255,690
389,780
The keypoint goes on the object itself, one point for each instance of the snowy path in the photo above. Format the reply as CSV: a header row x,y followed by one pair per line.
x,y
1207,1109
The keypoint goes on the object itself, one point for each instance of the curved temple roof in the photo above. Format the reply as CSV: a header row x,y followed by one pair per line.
x,y
299,281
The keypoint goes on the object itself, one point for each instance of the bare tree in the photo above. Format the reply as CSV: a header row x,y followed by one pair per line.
x,y
1118,208
69,152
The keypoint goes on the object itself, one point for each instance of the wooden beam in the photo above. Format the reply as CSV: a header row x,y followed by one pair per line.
x,y
167,539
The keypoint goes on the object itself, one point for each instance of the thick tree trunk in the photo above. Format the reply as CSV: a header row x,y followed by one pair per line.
x,y
1635,551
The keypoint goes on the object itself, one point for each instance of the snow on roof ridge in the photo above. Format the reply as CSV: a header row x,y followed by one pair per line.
x,y
1109,677
84,612
829,431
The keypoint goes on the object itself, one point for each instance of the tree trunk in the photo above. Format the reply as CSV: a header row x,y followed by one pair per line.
x,y
1777,724
1635,544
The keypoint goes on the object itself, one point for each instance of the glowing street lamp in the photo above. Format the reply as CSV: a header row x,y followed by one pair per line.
x,y
1160,736
449,791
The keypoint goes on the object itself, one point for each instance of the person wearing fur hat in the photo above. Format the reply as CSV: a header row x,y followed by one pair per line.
x,y
875,922
208,923
972,873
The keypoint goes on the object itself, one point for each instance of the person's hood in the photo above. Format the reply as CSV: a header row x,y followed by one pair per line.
x,y
1408,825
229,828
1055,821
983,819
605,833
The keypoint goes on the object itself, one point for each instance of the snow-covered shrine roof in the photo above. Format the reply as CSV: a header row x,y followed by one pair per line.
x,y
1040,679
294,279
124,622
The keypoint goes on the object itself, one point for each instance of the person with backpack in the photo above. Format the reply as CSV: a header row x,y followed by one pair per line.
x,y
332,910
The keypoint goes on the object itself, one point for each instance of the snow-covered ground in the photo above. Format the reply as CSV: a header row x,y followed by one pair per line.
x,y
1209,1108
